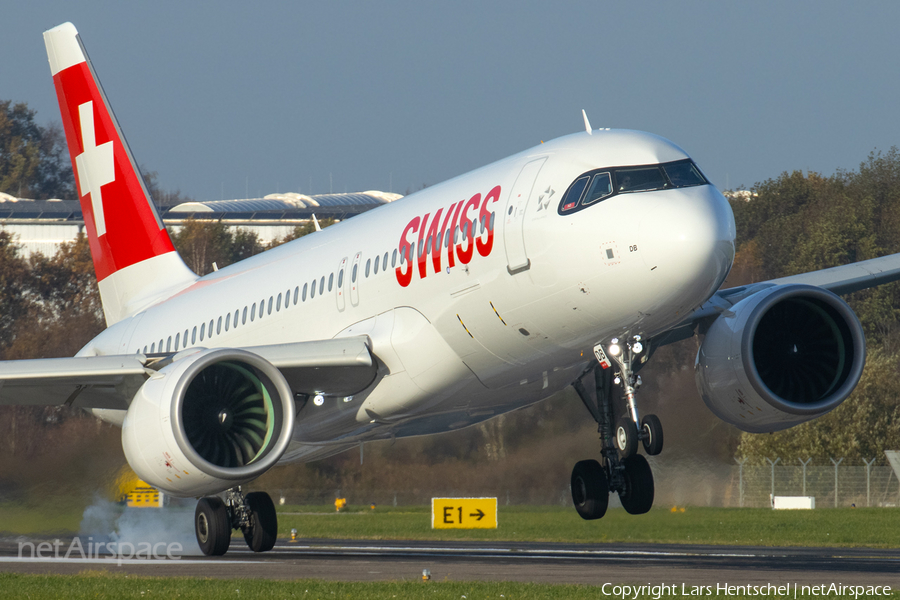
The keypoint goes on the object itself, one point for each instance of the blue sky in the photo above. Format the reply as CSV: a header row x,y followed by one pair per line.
x,y
222,98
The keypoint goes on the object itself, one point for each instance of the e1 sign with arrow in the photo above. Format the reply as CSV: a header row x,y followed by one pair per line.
x,y
463,513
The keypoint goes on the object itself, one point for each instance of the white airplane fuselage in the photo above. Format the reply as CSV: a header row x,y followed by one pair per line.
x,y
476,327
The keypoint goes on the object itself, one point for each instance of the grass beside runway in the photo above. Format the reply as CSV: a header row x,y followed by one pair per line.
x,y
851,527
841,527
100,585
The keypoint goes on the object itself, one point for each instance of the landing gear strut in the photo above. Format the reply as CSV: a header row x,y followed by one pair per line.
x,y
620,468
254,514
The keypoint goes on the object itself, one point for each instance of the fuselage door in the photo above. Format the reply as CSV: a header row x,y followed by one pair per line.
x,y
341,282
513,231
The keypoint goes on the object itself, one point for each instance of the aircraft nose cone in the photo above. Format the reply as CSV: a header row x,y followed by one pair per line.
x,y
688,242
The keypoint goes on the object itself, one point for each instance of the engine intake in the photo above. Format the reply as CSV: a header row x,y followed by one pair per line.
x,y
209,421
781,357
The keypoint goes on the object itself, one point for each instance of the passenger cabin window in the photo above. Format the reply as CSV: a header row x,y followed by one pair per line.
x,y
594,186
330,281
304,291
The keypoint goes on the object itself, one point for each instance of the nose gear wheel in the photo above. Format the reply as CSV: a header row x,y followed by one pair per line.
x,y
620,469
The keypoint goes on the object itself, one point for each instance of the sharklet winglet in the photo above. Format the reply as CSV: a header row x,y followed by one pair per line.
x,y
587,124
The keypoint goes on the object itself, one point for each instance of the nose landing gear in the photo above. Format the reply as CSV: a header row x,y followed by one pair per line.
x,y
254,514
620,468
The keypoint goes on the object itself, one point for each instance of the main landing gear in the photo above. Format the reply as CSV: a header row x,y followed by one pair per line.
x,y
254,514
620,469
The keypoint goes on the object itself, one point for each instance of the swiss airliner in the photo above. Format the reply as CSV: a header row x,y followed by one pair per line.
x,y
567,264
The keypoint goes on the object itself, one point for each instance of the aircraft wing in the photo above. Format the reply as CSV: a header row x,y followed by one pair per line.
x,y
341,366
844,279
89,382
850,278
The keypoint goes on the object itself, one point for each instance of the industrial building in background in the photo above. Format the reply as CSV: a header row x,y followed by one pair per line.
x,y
42,225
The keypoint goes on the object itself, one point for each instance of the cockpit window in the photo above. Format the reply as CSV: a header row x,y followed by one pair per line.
x,y
570,200
592,187
642,179
601,187
683,174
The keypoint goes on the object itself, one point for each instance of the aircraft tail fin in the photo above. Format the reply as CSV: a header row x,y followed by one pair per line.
x,y
133,256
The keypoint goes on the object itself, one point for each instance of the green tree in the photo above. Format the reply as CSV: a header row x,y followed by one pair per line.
x,y
34,162
302,230
15,285
202,243
63,310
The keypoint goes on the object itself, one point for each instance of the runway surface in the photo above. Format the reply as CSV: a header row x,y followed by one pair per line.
x,y
595,564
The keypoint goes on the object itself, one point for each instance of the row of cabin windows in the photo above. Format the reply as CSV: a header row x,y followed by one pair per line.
x,y
275,303
240,317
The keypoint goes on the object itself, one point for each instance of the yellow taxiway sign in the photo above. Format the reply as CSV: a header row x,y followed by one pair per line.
x,y
464,513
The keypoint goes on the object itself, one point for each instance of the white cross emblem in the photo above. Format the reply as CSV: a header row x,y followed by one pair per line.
x,y
96,166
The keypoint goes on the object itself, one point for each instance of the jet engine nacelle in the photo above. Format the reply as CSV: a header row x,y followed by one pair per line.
x,y
209,421
783,356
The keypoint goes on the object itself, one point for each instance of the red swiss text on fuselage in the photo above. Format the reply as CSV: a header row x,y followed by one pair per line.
x,y
458,230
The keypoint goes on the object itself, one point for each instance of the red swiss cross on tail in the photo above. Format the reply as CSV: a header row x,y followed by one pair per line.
x,y
135,261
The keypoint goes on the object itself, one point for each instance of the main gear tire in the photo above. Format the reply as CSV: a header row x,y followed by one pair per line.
x,y
590,489
637,497
262,532
212,526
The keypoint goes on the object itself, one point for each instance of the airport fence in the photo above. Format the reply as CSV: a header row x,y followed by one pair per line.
x,y
746,484
834,485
